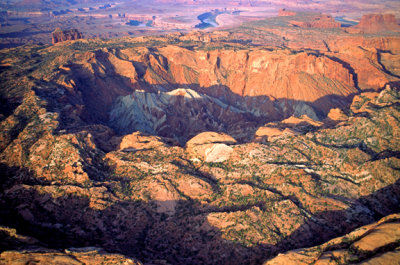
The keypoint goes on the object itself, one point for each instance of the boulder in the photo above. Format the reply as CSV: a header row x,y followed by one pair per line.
x,y
211,146
140,141
210,137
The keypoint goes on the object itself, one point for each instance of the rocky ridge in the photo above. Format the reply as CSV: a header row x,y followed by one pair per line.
x,y
377,243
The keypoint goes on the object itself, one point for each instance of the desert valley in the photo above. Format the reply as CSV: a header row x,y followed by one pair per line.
x,y
200,132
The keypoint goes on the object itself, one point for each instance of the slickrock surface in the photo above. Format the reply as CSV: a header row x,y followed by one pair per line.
x,y
78,257
377,243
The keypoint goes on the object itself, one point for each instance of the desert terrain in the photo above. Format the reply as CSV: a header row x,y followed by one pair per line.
x,y
31,22
275,140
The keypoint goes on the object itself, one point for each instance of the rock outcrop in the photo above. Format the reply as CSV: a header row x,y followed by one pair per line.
x,y
335,116
179,114
59,35
376,23
318,21
376,243
288,127
139,141
211,146
268,132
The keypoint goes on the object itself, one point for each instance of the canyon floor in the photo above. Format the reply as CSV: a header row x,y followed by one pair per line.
x,y
274,142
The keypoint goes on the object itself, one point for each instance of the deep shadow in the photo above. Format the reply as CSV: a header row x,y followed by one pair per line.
x,y
138,229
349,68
379,58
7,105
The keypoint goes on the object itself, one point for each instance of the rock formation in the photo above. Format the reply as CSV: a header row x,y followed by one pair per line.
x,y
335,116
376,23
211,146
225,90
318,21
85,162
290,126
139,141
370,244
179,114
59,35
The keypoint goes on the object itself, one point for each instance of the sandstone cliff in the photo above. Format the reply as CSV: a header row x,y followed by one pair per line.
x,y
375,23
59,35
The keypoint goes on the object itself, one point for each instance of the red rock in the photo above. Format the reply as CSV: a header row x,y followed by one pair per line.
x,y
337,114
211,146
63,35
369,240
375,23
319,21
138,141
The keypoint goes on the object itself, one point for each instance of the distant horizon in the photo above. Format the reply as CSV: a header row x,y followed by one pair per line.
x,y
32,21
